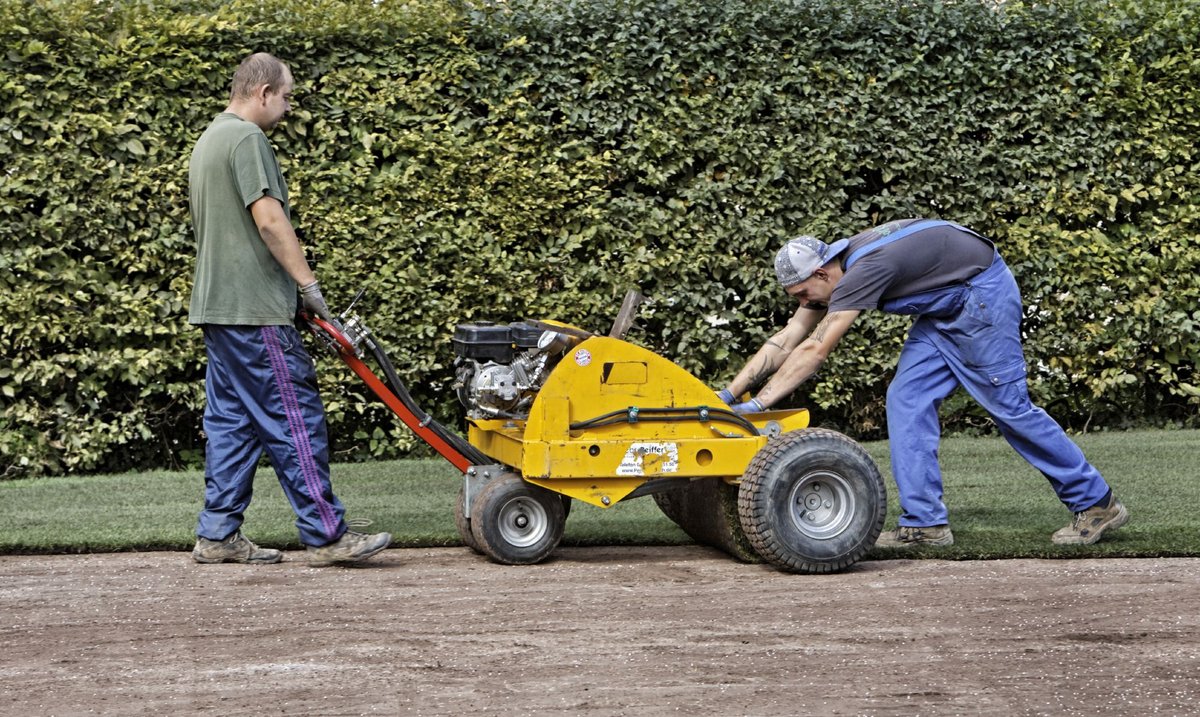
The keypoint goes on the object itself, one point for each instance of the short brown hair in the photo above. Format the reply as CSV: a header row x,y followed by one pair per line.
x,y
255,71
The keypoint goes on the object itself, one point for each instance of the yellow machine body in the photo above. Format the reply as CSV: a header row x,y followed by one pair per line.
x,y
596,430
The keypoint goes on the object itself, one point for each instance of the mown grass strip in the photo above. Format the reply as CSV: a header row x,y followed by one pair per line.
x,y
999,506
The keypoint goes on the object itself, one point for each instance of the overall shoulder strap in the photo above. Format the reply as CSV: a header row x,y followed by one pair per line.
x,y
896,236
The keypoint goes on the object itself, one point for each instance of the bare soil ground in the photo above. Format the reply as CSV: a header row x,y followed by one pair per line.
x,y
596,631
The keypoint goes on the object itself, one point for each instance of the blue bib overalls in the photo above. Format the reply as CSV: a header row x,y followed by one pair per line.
x,y
969,335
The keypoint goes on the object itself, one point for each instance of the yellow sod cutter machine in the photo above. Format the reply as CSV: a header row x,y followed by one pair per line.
x,y
556,414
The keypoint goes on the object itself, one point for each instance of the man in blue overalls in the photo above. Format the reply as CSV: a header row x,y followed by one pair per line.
x,y
966,333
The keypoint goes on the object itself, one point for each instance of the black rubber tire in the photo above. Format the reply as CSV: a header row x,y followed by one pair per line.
x,y
812,501
516,523
707,510
463,522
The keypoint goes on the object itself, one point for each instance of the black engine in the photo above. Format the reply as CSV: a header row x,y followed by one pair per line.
x,y
501,367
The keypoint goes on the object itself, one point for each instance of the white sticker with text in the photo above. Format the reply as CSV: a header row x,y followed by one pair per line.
x,y
647,459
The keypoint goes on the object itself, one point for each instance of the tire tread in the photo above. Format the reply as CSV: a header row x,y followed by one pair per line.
x,y
753,506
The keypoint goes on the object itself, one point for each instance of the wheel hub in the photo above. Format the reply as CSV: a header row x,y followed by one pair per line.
x,y
523,522
822,505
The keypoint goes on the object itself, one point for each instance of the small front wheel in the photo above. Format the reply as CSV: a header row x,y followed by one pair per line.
x,y
517,523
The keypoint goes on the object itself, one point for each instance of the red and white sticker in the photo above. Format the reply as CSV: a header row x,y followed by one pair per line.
x,y
583,357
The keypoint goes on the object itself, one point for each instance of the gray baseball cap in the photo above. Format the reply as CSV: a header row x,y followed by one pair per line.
x,y
800,257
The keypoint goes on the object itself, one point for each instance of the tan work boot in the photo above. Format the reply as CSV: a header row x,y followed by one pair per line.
x,y
234,549
350,548
1089,525
907,537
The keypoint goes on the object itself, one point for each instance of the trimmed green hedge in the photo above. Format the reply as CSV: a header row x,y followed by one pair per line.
x,y
534,158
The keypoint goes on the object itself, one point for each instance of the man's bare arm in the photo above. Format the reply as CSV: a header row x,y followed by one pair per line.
x,y
775,351
808,357
280,237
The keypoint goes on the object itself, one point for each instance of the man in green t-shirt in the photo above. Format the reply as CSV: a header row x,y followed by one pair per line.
x,y
260,384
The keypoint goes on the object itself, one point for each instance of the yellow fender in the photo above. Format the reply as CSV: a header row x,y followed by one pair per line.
x,y
612,416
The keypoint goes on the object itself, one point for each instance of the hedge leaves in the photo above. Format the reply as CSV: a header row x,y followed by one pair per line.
x,y
469,160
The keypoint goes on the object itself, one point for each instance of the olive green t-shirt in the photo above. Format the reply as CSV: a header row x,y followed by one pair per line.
x,y
237,280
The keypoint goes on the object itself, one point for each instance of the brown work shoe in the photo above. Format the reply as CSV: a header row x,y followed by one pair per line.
x,y
907,537
234,549
1089,525
350,548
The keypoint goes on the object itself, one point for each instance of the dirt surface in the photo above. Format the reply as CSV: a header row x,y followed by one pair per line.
x,y
596,631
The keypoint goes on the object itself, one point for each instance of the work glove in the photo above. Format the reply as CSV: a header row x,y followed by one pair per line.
x,y
751,406
725,395
314,303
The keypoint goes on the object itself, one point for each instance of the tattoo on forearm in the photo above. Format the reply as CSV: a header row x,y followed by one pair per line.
x,y
818,333
772,344
760,375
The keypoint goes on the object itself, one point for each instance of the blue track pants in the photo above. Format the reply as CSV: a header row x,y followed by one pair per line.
x,y
262,396
969,336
